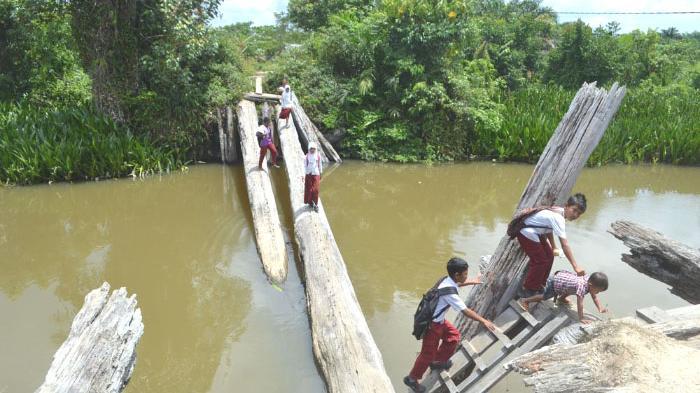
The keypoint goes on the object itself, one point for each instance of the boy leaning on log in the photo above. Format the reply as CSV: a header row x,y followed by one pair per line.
x,y
434,353
535,230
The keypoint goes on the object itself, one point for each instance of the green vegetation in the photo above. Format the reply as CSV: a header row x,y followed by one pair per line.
x,y
403,80
74,144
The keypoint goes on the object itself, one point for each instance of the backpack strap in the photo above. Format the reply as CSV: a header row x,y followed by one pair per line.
x,y
443,292
540,208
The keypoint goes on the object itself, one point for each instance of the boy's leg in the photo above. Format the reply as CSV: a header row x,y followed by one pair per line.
x,y
541,260
273,150
525,302
427,352
450,340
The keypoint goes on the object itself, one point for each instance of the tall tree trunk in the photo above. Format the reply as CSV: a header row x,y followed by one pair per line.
x,y
551,183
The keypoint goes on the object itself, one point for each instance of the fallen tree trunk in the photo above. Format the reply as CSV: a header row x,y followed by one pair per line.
x,y
551,183
661,258
311,134
100,352
227,135
342,343
616,357
268,229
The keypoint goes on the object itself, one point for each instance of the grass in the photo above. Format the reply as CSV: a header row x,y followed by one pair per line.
x,y
39,145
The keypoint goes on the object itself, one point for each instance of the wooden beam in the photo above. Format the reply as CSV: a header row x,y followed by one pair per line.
x,y
310,133
266,222
342,343
100,352
659,257
551,182
264,97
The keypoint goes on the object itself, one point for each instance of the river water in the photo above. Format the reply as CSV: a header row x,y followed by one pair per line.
x,y
184,244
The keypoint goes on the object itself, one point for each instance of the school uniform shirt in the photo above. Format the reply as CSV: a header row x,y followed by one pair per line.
x,y
452,300
312,164
568,283
286,97
553,221
267,135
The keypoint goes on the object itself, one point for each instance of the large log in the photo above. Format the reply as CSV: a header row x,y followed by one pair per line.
x,y
100,352
659,257
310,133
264,97
551,182
268,229
342,343
227,135
617,356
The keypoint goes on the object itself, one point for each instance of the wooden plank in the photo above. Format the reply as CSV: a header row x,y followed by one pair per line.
x,y
524,314
345,351
653,314
99,354
475,356
537,340
266,222
447,382
661,258
502,338
496,360
264,97
258,85
551,182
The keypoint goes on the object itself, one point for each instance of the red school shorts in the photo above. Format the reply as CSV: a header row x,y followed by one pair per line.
x,y
285,113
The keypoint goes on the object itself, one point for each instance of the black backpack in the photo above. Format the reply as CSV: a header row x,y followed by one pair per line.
x,y
426,308
518,222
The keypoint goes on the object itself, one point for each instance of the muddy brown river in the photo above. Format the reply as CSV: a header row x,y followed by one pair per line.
x,y
184,244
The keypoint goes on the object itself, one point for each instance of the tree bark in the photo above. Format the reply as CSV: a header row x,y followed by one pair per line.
x,y
264,97
100,352
311,134
268,229
551,183
342,343
659,257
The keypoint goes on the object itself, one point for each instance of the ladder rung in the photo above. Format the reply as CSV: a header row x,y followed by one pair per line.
x,y
471,353
448,382
524,314
502,338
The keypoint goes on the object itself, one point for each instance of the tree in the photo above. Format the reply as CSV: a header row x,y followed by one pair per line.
x,y
313,14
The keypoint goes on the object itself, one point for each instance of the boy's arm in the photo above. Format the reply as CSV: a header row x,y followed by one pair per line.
x,y
471,314
579,306
555,250
597,303
475,281
570,256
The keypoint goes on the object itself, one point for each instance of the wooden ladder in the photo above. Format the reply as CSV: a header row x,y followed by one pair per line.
x,y
475,370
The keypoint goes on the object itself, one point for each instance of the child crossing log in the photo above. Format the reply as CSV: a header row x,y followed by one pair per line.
x,y
661,258
342,343
100,352
551,182
268,229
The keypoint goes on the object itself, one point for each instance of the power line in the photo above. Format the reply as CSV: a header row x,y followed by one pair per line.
x,y
629,13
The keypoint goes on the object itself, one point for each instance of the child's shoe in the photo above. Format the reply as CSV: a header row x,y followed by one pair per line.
x,y
413,384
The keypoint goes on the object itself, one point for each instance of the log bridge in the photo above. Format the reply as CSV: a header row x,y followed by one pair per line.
x,y
345,351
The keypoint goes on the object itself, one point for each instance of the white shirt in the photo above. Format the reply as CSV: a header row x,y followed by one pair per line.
x,y
286,96
552,220
312,164
452,300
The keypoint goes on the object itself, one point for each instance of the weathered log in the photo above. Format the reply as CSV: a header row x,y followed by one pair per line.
x,y
616,357
659,257
227,135
310,133
264,97
268,229
99,354
342,343
551,182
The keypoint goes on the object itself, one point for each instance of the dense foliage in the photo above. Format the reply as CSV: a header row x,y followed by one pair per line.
x,y
433,80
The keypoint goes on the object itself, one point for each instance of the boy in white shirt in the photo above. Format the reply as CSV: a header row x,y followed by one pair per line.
x,y
537,240
434,353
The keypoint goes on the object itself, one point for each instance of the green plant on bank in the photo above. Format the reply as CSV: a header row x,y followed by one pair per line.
x,y
74,144
654,124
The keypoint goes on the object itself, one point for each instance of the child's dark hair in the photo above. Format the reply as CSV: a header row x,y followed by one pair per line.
x,y
578,200
266,120
455,266
599,280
